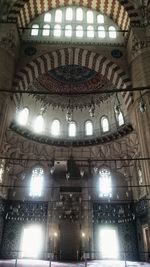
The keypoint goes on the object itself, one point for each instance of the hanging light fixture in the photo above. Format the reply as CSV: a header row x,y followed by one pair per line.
x,y
117,105
69,113
142,104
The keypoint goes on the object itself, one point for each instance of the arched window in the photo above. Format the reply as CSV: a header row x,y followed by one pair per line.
x,y
36,184
2,169
112,32
35,30
101,32
58,15
68,30
90,31
79,31
55,128
23,116
46,30
120,119
57,30
79,14
104,124
100,19
69,13
105,189
88,128
47,17
39,124
90,16
72,128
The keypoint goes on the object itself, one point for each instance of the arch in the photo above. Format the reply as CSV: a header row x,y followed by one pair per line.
x,y
77,56
121,11
88,127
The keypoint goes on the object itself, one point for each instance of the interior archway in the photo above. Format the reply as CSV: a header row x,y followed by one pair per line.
x,y
74,56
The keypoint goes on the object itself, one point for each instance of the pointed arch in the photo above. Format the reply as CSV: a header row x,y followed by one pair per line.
x,y
77,56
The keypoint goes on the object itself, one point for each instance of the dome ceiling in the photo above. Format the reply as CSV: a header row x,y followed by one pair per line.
x,y
72,74
70,79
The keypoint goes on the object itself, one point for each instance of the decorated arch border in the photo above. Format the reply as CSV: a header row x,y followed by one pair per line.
x,y
121,11
77,56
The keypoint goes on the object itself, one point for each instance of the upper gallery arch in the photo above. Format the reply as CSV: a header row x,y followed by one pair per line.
x,y
121,11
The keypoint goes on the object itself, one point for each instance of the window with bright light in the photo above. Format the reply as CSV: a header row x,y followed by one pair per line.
x,y
88,128
38,124
46,30
2,169
32,242
47,17
101,32
35,30
72,128
58,15
68,30
100,19
90,31
57,30
36,184
120,119
79,14
23,116
69,13
105,189
108,243
79,31
90,16
104,124
55,129
112,32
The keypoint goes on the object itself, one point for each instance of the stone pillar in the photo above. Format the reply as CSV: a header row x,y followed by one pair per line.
x,y
139,61
9,46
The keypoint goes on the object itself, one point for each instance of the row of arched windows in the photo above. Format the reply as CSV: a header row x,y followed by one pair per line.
x,y
39,124
74,14
71,21
68,31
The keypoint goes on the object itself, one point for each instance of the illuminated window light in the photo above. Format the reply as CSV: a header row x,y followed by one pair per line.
x,y
90,16
105,124
100,19
101,32
46,30
72,129
112,32
35,30
69,13
22,117
38,124
90,32
68,30
79,14
36,184
55,128
79,31
58,16
105,189
88,128
57,30
47,17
